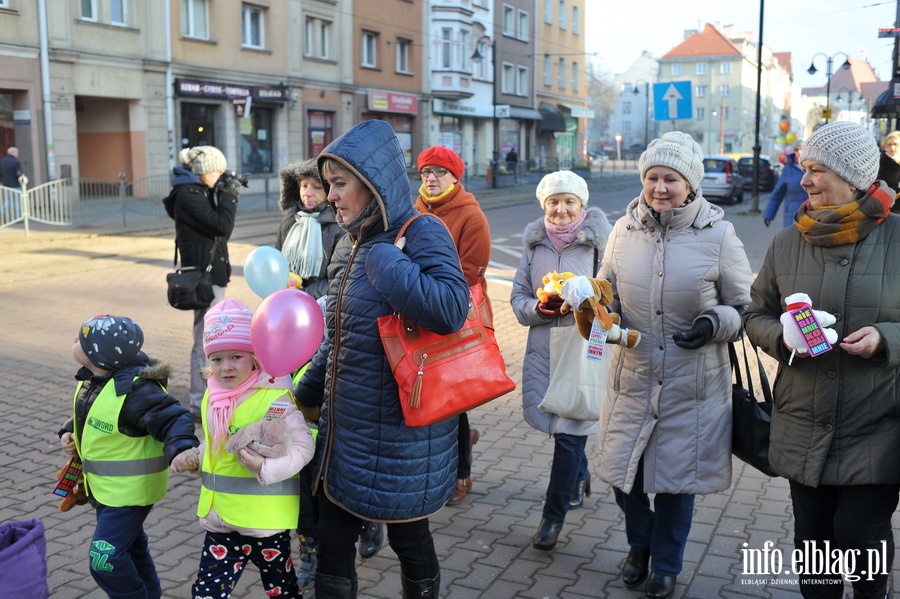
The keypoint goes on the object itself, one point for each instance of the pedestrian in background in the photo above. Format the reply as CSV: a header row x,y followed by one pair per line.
x,y
370,465
203,202
512,162
10,169
570,237
442,195
889,163
680,276
787,190
127,430
835,432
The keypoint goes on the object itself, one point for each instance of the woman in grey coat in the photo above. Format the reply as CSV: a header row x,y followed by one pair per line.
x,y
679,276
836,423
569,238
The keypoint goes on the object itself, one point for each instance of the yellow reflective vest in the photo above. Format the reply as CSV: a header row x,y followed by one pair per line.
x,y
234,491
118,470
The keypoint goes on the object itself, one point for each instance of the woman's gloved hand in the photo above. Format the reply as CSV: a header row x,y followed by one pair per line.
x,y
697,336
551,307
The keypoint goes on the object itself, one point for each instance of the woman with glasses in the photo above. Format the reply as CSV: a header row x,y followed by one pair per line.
x,y
442,195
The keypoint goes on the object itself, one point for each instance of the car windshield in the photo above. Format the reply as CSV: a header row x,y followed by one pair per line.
x,y
711,165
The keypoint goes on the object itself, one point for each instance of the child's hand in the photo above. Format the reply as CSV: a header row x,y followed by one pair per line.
x,y
67,441
251,460
186,461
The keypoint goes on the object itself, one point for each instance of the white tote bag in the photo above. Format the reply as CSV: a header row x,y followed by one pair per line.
x,y
577,384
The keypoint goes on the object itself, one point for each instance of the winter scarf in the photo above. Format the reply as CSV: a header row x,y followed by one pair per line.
x,y
222,402
303,245
563,235
839,225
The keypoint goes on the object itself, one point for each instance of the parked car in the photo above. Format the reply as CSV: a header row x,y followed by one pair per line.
x,y
722,179
767,174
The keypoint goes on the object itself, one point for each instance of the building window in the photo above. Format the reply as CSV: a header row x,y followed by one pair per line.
x,y
403,55
254,28
701,68
256,141
548,71
446,48
195,19
321,131
464,50
576,20
727,113
626,107
318,37
562,14
726,90
117,14
89,10
507,83
725,68
548,12
700,91
509,20
574,76
626,127
561,74
701,113
676,69
369,46
522,33
522,81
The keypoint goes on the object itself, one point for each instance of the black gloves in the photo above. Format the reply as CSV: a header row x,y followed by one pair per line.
x,y
698,335
550,309
767,221
229,182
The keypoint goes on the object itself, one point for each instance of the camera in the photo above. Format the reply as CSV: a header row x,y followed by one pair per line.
x,y
227,177
243,180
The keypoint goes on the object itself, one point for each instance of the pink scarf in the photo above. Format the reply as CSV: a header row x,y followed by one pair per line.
x,y
222,402
563,235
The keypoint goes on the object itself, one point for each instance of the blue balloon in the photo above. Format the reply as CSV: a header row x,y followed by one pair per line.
x,y
266,270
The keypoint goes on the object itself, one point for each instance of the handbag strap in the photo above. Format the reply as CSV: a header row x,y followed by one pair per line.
x,y
212,254
736,368
409,221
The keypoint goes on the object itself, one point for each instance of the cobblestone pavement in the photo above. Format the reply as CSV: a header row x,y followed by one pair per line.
x,y
52,280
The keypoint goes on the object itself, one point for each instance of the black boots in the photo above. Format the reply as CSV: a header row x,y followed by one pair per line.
x,y
428,587
546,536
660,586
371,538
636,567
582,487
335,587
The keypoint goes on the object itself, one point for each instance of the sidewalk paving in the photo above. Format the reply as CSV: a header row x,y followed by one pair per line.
x,y
54,279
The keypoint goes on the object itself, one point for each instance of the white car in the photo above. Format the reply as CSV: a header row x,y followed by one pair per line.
x,y
721,179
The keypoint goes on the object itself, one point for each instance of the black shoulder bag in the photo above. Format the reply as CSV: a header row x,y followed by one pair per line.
x,y
190,288
752,419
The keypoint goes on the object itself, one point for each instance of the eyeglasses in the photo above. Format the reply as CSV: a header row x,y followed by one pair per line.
x,y
437,172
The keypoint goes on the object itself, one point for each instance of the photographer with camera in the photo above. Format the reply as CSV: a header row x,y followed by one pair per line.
x,y
203,202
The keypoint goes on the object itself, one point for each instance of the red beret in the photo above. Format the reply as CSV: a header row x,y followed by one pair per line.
x,y
443,157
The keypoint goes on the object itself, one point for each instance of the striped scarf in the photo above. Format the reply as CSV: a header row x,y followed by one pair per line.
x,y
839,225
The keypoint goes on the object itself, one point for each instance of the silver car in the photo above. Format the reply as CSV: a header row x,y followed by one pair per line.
x,y
721,179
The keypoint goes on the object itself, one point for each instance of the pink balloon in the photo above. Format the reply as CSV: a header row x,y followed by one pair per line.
x,y
286,330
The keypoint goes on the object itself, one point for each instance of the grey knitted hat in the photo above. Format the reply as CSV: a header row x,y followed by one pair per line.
x,y
110,342
562,182
206,159
847,149
676,150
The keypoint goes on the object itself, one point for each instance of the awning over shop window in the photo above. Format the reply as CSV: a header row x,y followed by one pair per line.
x,y
530,114
553,119
577,112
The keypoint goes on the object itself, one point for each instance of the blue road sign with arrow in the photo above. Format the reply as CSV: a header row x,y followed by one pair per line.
x,y
672,101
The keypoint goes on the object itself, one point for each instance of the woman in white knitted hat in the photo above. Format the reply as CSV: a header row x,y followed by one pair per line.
x,y
679,276
836,423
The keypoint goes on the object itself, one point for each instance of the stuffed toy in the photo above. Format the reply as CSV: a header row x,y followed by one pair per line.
x,y
595,295
553,282
71,485
267,437
793,338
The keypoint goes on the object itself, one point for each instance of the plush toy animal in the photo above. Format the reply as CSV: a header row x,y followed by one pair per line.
x,y
592,297
553,282
268,438
76,495
792,335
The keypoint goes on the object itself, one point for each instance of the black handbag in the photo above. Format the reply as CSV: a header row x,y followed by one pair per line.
x,y
751,419
190,288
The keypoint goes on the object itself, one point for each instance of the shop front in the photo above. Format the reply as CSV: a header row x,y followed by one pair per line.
x,y
399,110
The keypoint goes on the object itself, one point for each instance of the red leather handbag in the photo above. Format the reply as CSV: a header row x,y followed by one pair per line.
x,y
441,376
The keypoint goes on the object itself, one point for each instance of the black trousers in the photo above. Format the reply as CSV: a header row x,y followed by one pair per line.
x,y
849,518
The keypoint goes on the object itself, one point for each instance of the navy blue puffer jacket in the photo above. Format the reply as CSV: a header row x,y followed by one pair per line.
x,y
370,462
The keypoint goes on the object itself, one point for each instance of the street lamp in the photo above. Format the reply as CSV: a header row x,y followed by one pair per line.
x,y
812,70
647,115
477,56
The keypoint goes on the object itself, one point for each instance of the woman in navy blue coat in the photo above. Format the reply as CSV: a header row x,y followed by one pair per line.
x,y
371,466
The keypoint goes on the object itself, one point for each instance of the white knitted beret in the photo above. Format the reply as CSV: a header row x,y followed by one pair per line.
x,y
206,159
676,150
562,182
847,149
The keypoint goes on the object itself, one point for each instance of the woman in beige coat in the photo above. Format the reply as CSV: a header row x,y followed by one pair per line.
x,y
679,276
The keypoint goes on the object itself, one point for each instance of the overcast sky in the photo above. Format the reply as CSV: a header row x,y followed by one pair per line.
x,y
619,31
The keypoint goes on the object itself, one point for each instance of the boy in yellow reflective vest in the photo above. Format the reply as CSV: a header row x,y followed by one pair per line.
x,y
249,499
127,430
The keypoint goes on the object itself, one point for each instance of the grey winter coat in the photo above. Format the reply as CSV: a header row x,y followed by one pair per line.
x,y
672,405
837,416
538,259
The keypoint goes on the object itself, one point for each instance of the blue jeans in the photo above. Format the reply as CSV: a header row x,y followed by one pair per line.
x,y
664,531
569,465
120,556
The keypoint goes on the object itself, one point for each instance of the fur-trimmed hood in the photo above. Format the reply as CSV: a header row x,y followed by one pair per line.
x,y
595,231
290,183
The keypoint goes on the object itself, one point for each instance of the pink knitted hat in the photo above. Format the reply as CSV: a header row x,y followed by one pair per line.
x,y
226,326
